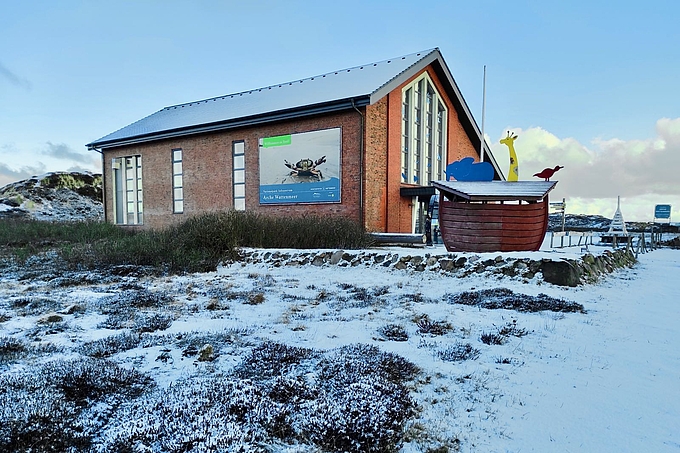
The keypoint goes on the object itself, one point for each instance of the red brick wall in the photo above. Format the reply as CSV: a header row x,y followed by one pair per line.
x,y
398,210
376,176
207,167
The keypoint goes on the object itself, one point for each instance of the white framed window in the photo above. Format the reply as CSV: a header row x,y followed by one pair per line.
x,y
128,202
423,132
177,182
239,175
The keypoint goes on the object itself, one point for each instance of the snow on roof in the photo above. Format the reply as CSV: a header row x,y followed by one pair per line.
x,y
363,82
496,190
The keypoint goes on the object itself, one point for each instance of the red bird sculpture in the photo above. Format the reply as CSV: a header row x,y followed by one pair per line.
x,y
547,173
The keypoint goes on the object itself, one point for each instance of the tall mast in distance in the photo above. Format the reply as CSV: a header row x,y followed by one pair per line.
x,y
481,146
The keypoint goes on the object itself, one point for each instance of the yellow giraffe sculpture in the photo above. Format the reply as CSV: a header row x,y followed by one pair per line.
x,y
509,141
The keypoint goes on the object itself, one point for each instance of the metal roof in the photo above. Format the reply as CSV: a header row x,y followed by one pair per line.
x,y
335,90
496,190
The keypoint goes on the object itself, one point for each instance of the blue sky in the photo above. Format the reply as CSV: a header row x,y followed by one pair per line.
x,y
585,84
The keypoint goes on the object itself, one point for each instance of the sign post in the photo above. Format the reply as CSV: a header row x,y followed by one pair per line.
x,y
560,208
661,212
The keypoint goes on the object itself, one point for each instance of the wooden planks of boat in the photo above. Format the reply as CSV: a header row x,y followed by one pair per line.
x,y
492,227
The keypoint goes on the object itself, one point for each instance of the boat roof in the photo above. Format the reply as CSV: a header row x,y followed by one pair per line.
x,y
496,190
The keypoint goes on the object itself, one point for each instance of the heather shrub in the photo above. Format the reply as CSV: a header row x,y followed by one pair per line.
x,y
200,243
458,352
49,408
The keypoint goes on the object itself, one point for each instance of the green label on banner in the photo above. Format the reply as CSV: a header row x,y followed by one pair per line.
x,y
280,140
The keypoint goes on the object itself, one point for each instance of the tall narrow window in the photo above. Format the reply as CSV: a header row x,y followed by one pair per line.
x,y
127,190
429,152
239,173
423,132
405,134
177,182
417,132
440,143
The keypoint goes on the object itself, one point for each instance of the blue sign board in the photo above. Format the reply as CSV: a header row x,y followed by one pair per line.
x,y
662,211
301,168
312,192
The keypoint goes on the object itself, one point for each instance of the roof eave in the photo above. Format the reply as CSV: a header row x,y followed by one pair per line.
x,y
411,71
470,126
282,115
536,197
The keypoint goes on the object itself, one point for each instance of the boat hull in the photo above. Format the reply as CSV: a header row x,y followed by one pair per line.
x,y
492,227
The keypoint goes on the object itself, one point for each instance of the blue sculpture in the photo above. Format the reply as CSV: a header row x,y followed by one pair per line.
x,y
467,169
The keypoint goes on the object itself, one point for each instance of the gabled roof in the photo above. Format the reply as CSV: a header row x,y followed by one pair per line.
x,y
334,91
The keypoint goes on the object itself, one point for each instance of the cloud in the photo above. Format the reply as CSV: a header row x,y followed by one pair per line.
x,y
14,79
64,152
641,170
58,157
8,175
80,169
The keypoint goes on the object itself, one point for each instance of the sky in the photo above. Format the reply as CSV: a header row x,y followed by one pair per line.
x,y
583,84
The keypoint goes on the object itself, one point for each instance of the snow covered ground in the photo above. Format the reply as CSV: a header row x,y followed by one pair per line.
x,y
604,379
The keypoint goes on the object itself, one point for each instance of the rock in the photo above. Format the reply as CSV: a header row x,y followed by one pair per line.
x,y
561,273
521,265
73,309
57,196
446,265
534,266
510,271
50,319
416,260
336,257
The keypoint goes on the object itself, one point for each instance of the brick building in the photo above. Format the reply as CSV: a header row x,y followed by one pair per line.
x,y
362,143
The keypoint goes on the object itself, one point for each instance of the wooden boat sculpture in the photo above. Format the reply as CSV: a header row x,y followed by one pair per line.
x,y
493,216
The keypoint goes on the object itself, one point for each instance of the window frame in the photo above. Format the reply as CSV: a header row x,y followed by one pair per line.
x,y
238,180
177,176
423,130
128,195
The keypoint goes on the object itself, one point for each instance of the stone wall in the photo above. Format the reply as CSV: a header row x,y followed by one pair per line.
x,y
563,272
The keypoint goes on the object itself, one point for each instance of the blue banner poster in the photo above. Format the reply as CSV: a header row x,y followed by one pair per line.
x,y
300,168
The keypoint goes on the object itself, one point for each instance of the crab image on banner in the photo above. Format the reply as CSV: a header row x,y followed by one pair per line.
x,y
300,168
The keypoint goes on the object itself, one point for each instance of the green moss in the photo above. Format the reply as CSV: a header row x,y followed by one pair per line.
x,y
17,198
62,181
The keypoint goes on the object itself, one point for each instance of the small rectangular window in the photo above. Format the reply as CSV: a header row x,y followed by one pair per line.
x,y
239,162
177,182
239,175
